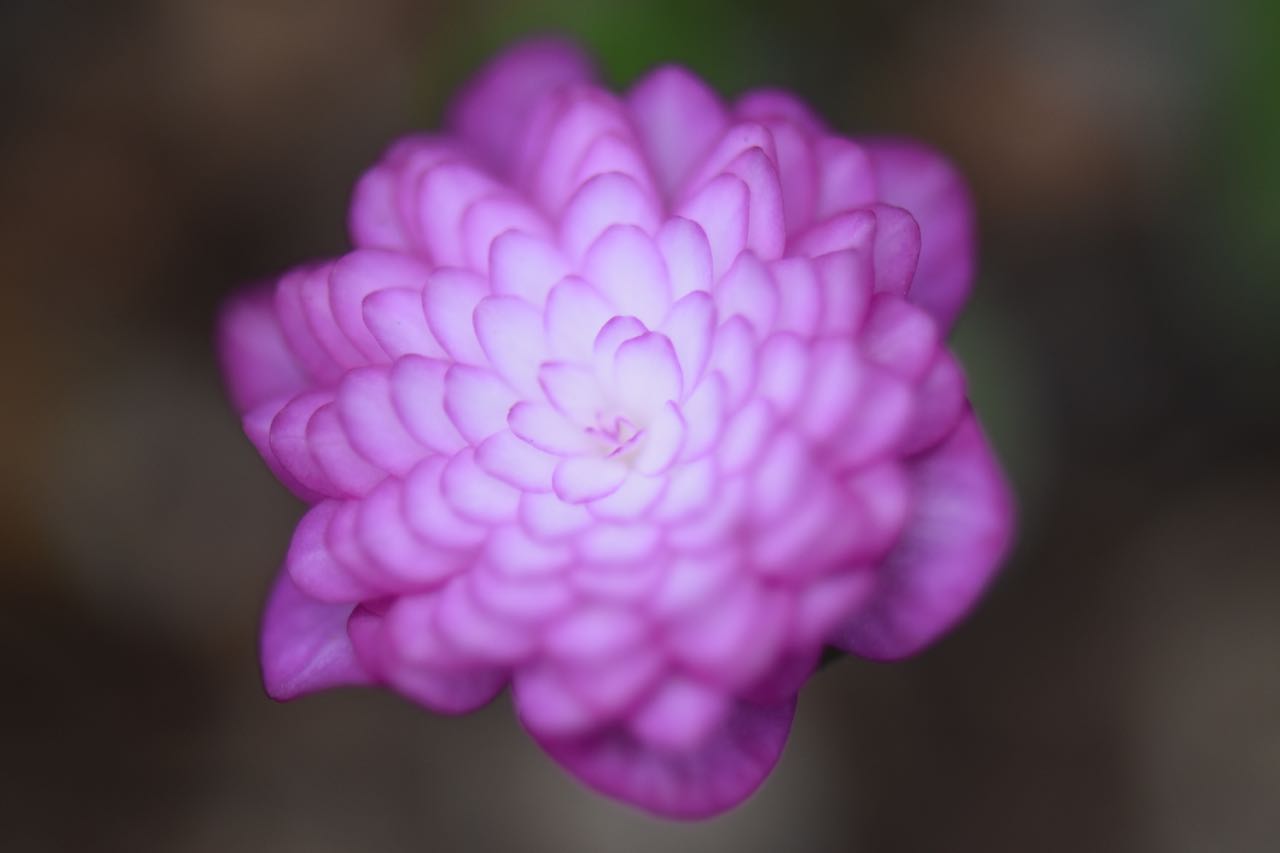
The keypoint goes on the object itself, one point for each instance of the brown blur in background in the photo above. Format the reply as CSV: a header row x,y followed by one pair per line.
x,y
1118,690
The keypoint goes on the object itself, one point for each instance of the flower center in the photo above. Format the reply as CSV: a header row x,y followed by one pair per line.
x,y
617,435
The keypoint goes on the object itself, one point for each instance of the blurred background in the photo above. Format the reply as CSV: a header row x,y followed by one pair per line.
x,y
1119,689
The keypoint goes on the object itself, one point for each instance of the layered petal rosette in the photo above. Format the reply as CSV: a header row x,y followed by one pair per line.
x,y
633,403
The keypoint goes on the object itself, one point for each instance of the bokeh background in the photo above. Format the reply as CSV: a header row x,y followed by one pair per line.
x,y
1119,689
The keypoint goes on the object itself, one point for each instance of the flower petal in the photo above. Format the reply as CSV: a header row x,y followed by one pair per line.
x,y
304,646
719,773
679,118
959,528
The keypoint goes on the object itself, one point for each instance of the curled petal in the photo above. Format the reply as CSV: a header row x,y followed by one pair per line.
x,y
304,645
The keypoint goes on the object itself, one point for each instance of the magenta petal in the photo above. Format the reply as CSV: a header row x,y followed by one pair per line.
x,y
916,178
721,772
491,113
679,118
956,535
256,360
304,645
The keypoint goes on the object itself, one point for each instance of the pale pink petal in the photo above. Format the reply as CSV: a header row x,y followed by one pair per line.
x,y
784,372
432,516
547,517
748,290
373,425
897,249
846,279
900,337
587,478
603,202
690,325
510,331
681,714
687,252
547,429
646,375
444,195
526,266
799,296
573,390
397,322
517,462
312,565
575,314
361,273
663,440
720,209
733,356
477,401
475,494
489,218
632,499
418,391
333,453
624,265
449,300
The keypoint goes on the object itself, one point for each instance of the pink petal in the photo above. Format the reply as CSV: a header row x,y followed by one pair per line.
x,y
678,119
333,453
575,314
289,447
373,425
449,300
720,209
396,320
445,691
624,265
476,495
663,440
897,249
852,229
295,326
361,273
632,499
784,372
431,515
573,390
900,337
491,112
733,356
845,177
312,565
515,554
846,279
766,222
254,356
304,645
547,429
921,181
775,105
748,289
603,202
940,401
687,252
387,538
547,517
681,715
646,375
690,325
717,775
703,415
799,295
517,462
418,391
445,193
489,218
526,266
587,478
477,401
510,331
959,529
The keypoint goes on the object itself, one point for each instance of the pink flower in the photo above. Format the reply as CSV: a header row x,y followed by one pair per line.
x,y
633,403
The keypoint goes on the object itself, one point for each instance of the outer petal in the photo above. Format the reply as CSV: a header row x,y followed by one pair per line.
x,y
678,119
256,360
716,775
957,532
491,112
920,180
304,646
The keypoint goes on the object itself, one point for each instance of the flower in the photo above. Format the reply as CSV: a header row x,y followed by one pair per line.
x,y
634,404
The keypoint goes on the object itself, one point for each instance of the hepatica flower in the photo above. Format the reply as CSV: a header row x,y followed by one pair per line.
x,y
632,403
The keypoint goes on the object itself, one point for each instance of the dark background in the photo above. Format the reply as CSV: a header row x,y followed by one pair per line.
x,y
1119,689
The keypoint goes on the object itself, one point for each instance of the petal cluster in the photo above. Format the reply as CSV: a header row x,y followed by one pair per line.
x,y
632,403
